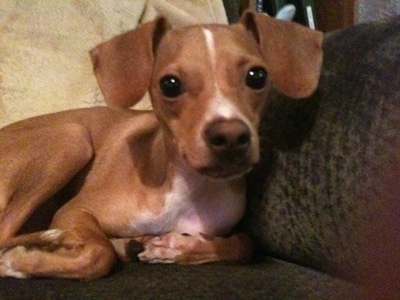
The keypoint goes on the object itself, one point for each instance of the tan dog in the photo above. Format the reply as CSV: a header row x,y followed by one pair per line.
x,y
171,179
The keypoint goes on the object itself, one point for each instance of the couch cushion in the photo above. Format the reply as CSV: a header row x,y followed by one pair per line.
x,y
263,279
327,192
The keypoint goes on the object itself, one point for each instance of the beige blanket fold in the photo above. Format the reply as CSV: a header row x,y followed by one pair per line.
x,y
184,12
44,44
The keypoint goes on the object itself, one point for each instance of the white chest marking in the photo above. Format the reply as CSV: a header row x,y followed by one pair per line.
x,y
194,206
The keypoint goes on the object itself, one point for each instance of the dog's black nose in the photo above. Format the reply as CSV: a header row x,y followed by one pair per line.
x,y
228,136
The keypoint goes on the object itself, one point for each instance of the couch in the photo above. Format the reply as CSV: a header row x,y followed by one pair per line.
x,y
323,203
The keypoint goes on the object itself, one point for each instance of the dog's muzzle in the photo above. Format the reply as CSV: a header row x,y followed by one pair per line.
x,y
228,138
229,142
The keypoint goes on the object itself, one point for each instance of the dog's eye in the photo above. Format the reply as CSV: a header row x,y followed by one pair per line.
x,y
170,86
256,78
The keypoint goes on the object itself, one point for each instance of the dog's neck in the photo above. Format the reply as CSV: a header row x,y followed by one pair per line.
x,y
193,203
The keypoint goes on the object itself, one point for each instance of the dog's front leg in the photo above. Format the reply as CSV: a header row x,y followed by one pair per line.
x,y
186,249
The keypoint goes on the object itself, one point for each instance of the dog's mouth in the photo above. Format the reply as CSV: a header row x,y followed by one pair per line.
x,y
222,170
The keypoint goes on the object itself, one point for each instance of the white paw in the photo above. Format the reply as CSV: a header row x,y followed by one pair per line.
x,y
168,248
7,256
52,235
48,240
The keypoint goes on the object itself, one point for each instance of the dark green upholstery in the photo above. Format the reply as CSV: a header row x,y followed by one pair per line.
x,y
261,280
327,194
324,200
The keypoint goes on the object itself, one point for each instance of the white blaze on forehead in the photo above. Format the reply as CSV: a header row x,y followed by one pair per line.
x,y
223,108
210,43
220,106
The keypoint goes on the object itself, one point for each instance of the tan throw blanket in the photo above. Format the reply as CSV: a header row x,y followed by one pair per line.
x,y
44,62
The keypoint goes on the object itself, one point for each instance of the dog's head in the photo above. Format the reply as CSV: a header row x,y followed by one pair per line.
x,y
209,83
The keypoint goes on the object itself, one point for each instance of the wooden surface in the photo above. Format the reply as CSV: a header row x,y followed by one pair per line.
x,y
334,14
331,14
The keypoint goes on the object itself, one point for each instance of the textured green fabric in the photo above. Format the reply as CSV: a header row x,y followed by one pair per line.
x,y
268,279
327,193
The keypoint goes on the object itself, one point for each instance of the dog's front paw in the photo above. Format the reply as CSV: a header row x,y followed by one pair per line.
x,y
169,248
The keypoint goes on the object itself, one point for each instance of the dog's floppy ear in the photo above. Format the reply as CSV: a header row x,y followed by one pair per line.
x,y
123,65
293,53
